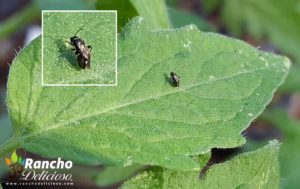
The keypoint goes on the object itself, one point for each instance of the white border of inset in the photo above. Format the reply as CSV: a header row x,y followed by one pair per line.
x,y
82,85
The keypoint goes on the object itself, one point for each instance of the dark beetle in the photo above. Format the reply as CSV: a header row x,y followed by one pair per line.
x,y
82,51
175,79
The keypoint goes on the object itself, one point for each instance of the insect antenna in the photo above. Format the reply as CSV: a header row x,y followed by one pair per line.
x,y
79,30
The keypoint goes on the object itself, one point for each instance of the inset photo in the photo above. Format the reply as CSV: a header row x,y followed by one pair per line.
x,y
79,48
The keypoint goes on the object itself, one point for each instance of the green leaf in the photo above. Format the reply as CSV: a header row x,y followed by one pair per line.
x,y
289,153
125,9
265,19
60,64
66,4
181,18
277,20
154,11
225,84
258,169
113,175
203,159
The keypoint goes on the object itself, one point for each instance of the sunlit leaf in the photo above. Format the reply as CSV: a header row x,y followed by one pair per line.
x,y
224,85
255,170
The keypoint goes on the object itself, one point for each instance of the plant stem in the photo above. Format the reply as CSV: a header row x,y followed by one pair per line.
x,y
18,21
9,146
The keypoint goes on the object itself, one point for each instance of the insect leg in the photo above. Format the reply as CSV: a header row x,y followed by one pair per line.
x,y
69,43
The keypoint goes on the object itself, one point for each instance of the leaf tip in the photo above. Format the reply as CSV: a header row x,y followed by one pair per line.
x,y
287,63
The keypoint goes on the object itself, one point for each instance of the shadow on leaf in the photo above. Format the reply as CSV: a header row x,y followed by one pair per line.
x,y
66,53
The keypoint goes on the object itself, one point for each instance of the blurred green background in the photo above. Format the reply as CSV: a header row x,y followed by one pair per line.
x,y
270,25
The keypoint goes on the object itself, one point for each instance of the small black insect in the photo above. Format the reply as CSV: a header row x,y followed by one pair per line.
x,y
175,79
82,51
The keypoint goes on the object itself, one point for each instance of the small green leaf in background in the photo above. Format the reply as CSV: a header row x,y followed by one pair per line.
x,y
154,11
125,9
60,64
65,4
181,18
18,21
32,12
255,170
289,152
275,20
225,84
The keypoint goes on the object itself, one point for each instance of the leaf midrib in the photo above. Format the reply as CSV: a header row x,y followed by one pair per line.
x,y
139,101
